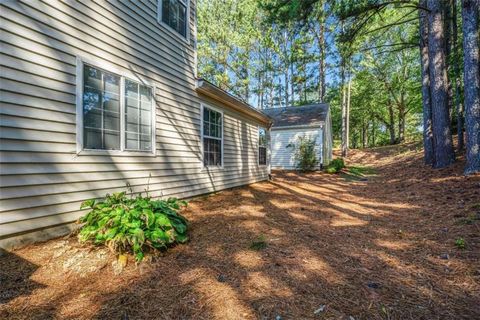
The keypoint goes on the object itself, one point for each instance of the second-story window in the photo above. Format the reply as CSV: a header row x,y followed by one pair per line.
x,y
174,14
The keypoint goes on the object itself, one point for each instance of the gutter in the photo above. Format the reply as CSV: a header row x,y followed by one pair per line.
x,y
208,89
305,126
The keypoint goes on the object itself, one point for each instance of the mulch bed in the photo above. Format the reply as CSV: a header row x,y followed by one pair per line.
x,y
331,247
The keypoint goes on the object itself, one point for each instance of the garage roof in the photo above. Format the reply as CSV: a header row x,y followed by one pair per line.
x,y
308,115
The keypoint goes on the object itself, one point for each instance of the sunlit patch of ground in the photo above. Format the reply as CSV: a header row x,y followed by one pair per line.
x,y
303,246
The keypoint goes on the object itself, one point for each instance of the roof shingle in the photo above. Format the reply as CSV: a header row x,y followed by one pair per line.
x,y
312,114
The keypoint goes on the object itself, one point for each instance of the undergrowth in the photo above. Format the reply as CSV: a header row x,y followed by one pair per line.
x,y
134,224
335,166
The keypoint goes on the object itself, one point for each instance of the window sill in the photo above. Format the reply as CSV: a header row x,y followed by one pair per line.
x,y
117,153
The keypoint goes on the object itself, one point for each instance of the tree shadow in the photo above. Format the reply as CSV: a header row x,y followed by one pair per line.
x,y
15,273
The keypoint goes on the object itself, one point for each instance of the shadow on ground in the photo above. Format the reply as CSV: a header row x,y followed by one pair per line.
x,y
379,248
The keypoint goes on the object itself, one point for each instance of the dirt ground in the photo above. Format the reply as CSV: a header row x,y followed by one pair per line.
x,y
303,246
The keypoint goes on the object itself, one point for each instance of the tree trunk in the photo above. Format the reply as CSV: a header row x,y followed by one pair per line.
x,y
456,71
347,135
447,8
401,125
285,53
442,136
470,15
322,48
426,97
344,107
391,125
364,134
374,128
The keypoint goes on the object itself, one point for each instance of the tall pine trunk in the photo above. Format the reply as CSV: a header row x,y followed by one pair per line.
x,y
456,71
347,124
322,55
426,96
470,15
344,107
442,136
322,62
285,53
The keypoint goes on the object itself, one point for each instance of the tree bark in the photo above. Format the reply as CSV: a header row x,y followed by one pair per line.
x,y
442,136
285,53
344,107
391,124
456,71
470,15
322,55
426,96
347,134
447,8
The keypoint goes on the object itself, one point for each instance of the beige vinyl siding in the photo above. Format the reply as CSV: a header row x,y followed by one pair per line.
x,y
43,179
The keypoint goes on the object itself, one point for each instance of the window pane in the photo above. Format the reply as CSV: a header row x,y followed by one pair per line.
x,y
93,138
101,109
262,155
131,141
111,140
212,152
138,116
262,137
212,123
174,14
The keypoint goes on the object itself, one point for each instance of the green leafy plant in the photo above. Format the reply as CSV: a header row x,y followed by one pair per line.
x,y
335,166
460,243
133,224
305,155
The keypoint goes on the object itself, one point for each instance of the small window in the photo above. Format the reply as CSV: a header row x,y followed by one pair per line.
x,y
109,125
174,14
212,137
262,146
101,109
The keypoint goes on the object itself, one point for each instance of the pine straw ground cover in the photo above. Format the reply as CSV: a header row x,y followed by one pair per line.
x,y
335,247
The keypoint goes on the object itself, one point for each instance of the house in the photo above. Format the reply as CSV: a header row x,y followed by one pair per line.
x,y
98,95
290,123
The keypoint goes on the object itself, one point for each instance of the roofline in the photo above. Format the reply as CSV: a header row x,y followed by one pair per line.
x,y
300,126
302,106
209,89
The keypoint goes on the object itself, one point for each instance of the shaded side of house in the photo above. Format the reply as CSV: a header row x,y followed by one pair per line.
x,y
98,95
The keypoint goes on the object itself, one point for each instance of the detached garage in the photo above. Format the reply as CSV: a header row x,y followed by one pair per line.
x,y
290,123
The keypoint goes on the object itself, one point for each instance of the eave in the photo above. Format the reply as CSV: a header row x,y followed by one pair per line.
x,y
210,90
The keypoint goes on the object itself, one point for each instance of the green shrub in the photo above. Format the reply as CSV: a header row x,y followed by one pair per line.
x,y
460,243
335,166
305,155
259,243
133,224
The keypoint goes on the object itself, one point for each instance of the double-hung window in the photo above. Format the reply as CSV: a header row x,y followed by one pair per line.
x,y
117,112
212,137
262,146
174,13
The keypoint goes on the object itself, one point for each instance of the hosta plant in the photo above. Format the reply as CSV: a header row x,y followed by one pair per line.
x,y
134,224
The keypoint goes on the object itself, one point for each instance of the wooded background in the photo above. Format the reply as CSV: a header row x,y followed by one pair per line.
x,y
391,70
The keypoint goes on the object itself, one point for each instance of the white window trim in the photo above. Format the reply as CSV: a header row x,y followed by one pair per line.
x,y
202,107
170,29
81,61
258,147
